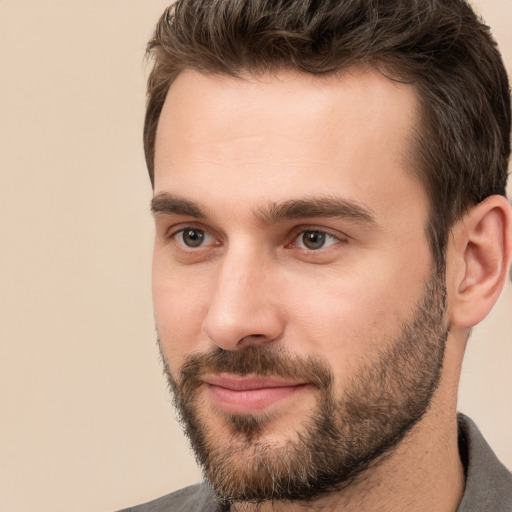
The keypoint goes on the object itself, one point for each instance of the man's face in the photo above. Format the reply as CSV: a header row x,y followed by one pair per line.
x,y
298,314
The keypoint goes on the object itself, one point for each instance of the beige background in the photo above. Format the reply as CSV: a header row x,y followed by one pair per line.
x,y
85,419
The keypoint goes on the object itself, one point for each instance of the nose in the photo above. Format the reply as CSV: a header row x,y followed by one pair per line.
x,y
244,307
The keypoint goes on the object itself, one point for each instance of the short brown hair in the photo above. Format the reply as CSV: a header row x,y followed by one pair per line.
x,y
439,46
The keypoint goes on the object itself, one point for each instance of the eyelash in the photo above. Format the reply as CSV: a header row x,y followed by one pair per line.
x,y
325,237
175,234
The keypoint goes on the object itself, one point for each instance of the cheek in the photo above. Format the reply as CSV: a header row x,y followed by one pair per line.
x,y
339,326
180,303
347,321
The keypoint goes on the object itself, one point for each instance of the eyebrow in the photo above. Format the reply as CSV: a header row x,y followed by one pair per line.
x,y
293,209
167,204
316,207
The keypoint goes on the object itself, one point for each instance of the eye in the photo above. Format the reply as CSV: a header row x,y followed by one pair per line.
x,y
313,240
194,237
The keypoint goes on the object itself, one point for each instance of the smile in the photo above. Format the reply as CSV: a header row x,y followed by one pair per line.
x,y
244,395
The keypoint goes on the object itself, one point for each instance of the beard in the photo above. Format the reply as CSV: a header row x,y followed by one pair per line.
x,y
348,432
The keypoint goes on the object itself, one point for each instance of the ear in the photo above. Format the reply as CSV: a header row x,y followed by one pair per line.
x,y
478,260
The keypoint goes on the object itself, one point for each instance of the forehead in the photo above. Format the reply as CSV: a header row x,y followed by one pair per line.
x,y
273,137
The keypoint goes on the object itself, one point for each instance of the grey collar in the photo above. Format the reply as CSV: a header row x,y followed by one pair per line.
x,y
488,482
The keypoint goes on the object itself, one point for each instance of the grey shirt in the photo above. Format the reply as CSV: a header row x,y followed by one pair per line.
x,y
488,482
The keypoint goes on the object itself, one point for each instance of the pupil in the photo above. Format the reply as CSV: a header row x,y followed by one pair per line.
x,y
313,239
193,237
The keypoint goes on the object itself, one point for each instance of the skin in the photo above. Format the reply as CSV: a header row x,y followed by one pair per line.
x,y
228,151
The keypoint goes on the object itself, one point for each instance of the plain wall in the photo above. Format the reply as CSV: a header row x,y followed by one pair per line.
x,y
86,423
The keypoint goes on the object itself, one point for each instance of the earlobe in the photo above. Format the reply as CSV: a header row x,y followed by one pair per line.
x,y
483,248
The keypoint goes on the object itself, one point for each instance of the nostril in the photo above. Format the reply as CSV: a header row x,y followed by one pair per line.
x,y
253,339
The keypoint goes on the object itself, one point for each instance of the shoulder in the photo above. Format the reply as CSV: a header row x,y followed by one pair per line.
x,y
488,482
195,498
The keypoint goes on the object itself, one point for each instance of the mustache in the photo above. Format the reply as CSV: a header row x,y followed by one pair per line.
x,y
251,360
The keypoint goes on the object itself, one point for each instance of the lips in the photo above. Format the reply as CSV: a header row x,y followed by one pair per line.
x,y
249,394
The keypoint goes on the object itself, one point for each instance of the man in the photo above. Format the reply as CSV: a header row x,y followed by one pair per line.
x,y
329,198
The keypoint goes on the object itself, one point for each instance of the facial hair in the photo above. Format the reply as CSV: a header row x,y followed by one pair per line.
x,y
349,432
